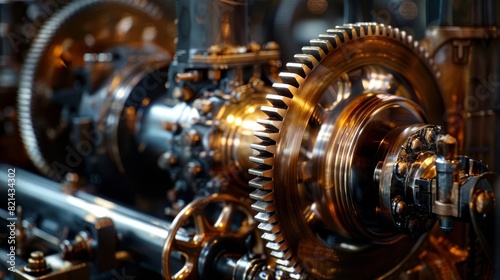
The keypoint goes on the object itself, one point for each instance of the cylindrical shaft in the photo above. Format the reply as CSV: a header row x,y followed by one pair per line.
x,y
139,234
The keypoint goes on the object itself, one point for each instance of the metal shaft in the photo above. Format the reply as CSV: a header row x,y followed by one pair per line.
x,y
139,234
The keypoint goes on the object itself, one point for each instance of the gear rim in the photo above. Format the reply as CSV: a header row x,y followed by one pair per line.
x,y
314,57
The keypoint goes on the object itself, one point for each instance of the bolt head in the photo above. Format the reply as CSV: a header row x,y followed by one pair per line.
x,y
402,168
416,145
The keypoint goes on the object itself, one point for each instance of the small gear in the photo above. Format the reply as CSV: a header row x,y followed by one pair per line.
x,y
339,68
59,49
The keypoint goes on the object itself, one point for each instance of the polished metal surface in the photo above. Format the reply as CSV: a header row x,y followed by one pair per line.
x,y
349,61
174,149
138,233
233,224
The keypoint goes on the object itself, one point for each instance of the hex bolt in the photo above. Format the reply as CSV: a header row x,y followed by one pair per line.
x,y
37,264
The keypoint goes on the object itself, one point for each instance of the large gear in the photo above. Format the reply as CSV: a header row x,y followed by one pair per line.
x,y
59,49
349,65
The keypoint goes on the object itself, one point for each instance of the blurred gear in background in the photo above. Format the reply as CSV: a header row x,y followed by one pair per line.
x,y
20,21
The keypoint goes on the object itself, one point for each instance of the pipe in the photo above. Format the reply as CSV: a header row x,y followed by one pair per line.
x,y
141,235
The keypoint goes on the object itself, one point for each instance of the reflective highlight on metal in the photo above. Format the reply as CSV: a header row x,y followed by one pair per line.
x,y
304,124
175,149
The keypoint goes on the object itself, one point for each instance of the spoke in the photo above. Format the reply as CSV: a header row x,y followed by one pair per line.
x,y
185,272
226,216
201,223
186,247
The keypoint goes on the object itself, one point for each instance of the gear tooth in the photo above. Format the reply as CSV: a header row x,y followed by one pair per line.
x,y
292,272
371,28
272,237
282,255
287,263
341,33
312,56
261,172
317,52
298,275
351,30
384,30
291,79
325,45
267,135
298,68
279,101
309,60
274,113
266,217
277,246
334,40
262,195
262,206
271,125
396,33
272,228
262,160
410,41
261,183
283,90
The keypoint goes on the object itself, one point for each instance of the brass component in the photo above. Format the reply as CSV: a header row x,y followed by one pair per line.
x,y
36,264
322,108
234,222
